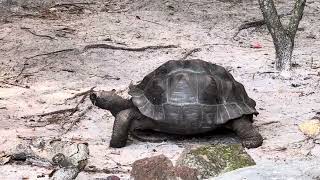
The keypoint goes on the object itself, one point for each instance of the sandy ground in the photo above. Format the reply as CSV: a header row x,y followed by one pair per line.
x,y
209,25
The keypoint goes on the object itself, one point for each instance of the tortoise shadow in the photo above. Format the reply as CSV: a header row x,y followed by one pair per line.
x,y
218,136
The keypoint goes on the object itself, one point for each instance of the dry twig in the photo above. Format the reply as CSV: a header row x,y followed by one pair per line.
x,y
257,23
93,169
218,44
81,101
50,53
25,15
39,35
267,72
115,11
189,53
71,4
138,17
81,94
107,46
77,119
53,112
14,84
248,25
267,123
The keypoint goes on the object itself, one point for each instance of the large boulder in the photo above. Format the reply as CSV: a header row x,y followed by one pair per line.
x,y
294,169
213,160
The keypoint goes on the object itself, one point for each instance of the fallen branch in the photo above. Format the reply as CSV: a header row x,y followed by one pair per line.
x,y
248,25
53,112
81,94
77,119
115,11
84,96
303,94
109,77
19,74
58,112
107,46
314,74
50,53
255,24
71,4
71,110
22,69
14,84
267,72
33,33
267,123
25,15
138,17
81,101
189,53
219,44
116,170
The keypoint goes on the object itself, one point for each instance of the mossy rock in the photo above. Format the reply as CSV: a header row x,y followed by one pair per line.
x,y
213,160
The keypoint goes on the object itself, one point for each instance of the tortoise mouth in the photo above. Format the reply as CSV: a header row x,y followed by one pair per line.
x,y
93,97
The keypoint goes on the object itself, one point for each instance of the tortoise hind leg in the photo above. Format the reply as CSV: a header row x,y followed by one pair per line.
x,y
249,135
121,127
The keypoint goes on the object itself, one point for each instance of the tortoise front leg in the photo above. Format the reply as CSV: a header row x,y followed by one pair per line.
x,y
249,135
121,127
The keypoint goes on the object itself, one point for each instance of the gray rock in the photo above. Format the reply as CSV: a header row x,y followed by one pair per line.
x,y
71,157
213,160
65,173
293,170
161,168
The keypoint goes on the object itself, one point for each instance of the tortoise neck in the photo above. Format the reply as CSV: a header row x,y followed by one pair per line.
x,y
119,104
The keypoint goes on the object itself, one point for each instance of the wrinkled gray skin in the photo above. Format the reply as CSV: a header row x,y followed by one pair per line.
x,y
129,115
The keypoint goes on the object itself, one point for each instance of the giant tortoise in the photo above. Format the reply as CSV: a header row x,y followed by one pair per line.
x,y
183,97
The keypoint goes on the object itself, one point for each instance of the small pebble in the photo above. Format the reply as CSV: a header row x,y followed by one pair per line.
x,y
113,177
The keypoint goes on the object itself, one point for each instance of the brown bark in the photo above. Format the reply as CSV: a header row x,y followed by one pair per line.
x,y
283,38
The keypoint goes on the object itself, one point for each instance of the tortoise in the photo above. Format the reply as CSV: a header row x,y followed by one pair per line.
x,y
182,97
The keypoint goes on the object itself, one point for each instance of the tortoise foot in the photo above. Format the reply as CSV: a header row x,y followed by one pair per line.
x,y
252,142
117,143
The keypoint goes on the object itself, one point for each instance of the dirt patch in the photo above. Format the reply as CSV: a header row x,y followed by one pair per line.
x,y
42,63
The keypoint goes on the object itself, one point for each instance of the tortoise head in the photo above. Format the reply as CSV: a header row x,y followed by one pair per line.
x,y
104,99
109,100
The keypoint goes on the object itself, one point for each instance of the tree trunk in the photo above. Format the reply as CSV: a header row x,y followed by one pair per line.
x,y
284,48
283,38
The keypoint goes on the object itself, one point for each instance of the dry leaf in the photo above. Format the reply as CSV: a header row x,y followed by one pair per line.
x,y
310,128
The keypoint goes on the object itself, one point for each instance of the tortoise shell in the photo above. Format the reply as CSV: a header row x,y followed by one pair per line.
x,y
191,95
